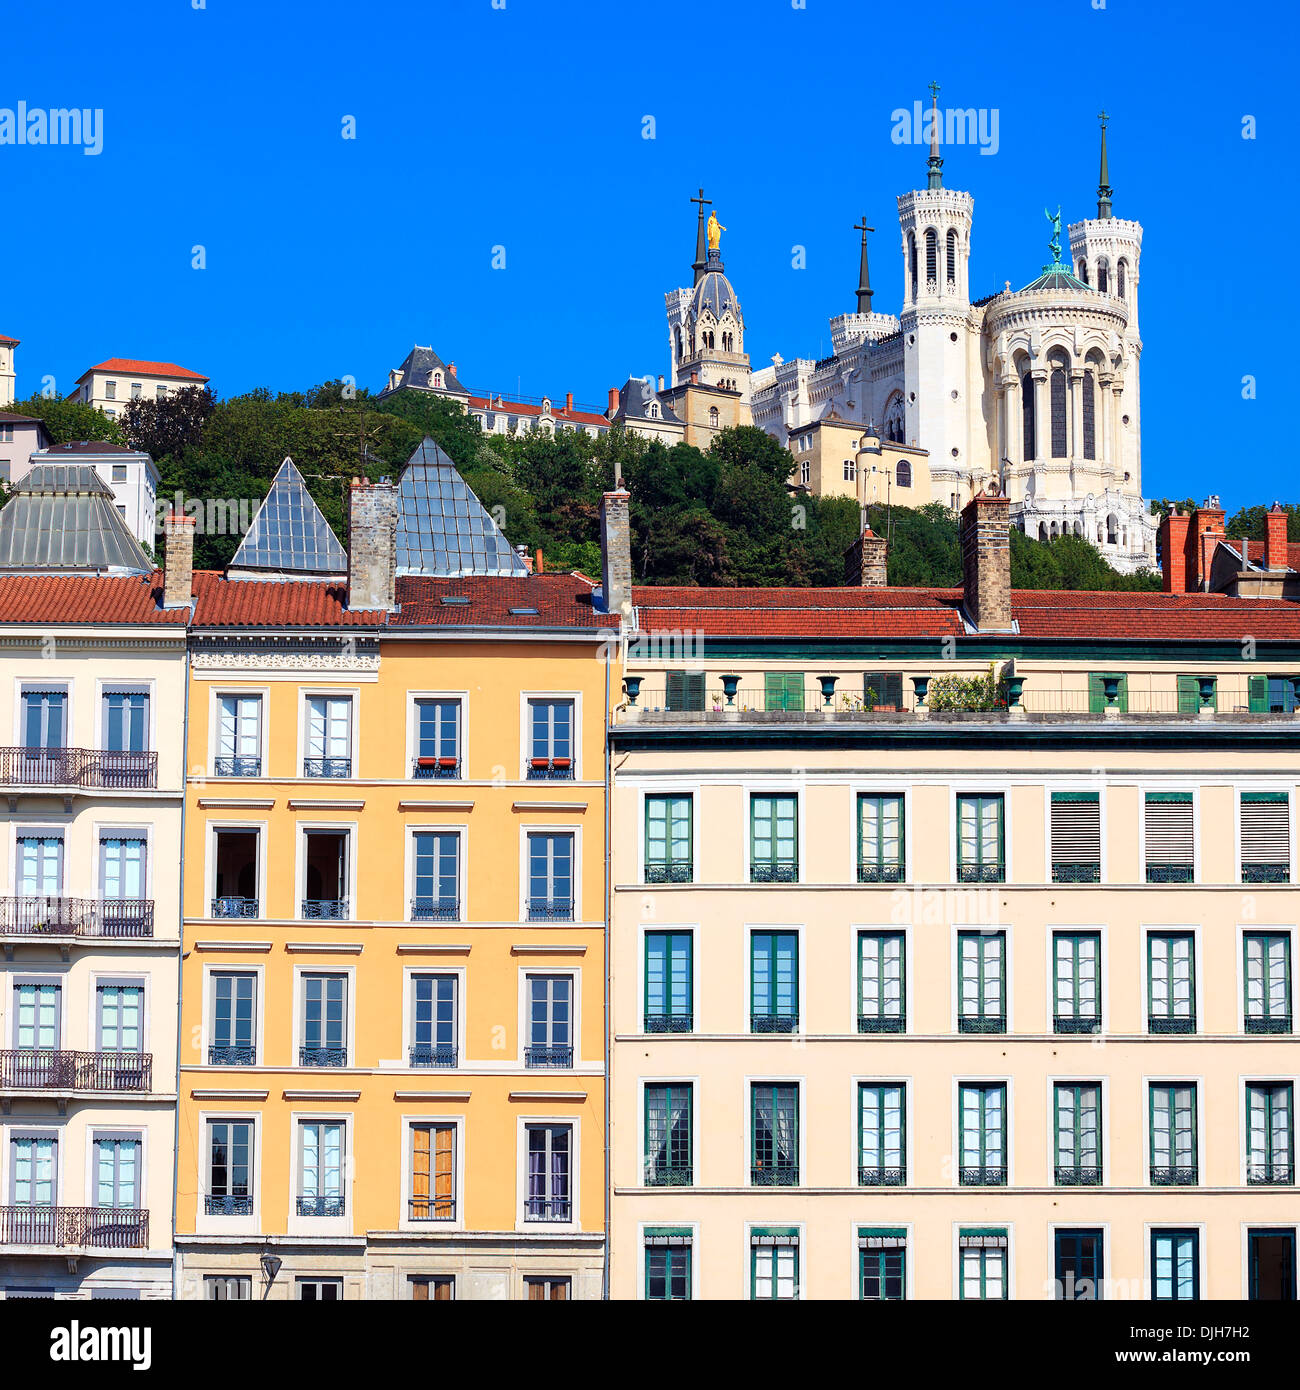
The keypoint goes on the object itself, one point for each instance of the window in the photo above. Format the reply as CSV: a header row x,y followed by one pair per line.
x,y
882,1134
1173,1134
320,1290
774,1262
1089,415
434,1020
668,839
44,721
1077,961
119,1025
1271,694
684,691
1171,982
882,985
235,864
668,1116
230,1168
1058,388
550,1021
1169,837
1079,1267
1272,1265
1028,418
555,1289
1189,694
882,1262
436,856
325,856
667,1263
1268,982
805,473
426,1289
227,1287
437,738
37,1016
713,417
952,254
136,388
233,1041
40,865
931,255
668,982
1270,1141
980,839
33,1181
1076,837
329,736
320,1168
774,1135
550,877
981,982
1078,1134
850,471
880,839
783,690
982,1121
119,472
1175,1266
324,1041
433,1173
123,883
903,468
1265,837
110,390
551,740
983,1256
117,1172
774,982
549,1196
126,721
773,839
160,392
882,690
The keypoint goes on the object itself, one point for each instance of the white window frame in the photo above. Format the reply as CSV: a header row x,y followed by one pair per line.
x,y
655,1079
903,929
305,695
983,788
1010,1248
1097,929
259,827
525,743
542,827
140,1133
1245,1080
25,683
1151,1228
1281,788
131,979
749,790
1178,786
522,1124
575,1023
694,1228
1102,1083
974,1079
1192,929
644,793
235,967
748,929
219,692
1245,929
645,929
110,687
229,1225
409,974
883,786
320,1225
326,967
462,865
1088,785
773,1078
908,1083
1196,1079
112,830
801,1258
301,829
1008,983
459,1178
413,697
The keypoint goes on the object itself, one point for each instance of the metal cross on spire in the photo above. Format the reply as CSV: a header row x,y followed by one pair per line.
x,y
700,261
935,179
1103,181
864,277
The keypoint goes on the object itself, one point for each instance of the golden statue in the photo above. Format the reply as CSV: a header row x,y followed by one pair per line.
x,y
715,230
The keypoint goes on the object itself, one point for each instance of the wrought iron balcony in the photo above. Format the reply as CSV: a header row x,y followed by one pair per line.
x,y
333,909
1171,1025
439,1055
982,1176
550,909
1278,1173
86,1228
774,1023
243,765
874,1176
1076,873
322,1056
431,1208
327,767
548,1209
774,871
669,1175
234,907
435,909
1272,1023
57,916
228,1205
550,770
982,873
1265,873
872,871
29,1069
670,1023
1164,1175
445,768
548,1058
682,871
882,1023
321,1206
982,1023
78,767
1169,873
1076,1023
777,1174
231,1056
1077,1177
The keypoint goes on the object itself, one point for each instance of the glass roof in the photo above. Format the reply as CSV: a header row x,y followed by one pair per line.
x,y
289,534
62,517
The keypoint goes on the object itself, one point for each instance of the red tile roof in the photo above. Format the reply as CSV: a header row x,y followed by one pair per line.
x,y
132,364
506,406
50,600
221,602
1293,554
12,341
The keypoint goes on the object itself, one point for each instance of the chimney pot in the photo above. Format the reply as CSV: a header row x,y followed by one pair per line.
x,y
178,559
986,561
866,561
568,400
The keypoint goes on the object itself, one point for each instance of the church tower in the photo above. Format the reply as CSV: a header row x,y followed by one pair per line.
x,y
940,343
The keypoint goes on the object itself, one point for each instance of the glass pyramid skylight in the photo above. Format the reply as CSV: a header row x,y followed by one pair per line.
x,y
442,528
289,534
61,517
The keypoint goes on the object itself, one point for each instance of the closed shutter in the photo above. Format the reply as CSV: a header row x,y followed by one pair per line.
x,y
1097,692
1265,837
1189,694
1170,840
784,690
1257,687
685,690
888,688
420,1173
1076,837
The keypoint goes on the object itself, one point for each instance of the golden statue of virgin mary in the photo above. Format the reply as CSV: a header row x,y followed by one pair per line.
x,y
715,230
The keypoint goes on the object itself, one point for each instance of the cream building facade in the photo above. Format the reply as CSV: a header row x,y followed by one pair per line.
x,y
110,384
8,374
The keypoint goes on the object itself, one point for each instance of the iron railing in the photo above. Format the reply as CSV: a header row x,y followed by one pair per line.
x,y
57,916
548,1209
1171,1025
1166,1175
982,1023
550,770
228,1204
774,1023
1278,1173
321,1206
1074,1176
550,909
682,871
234,907
1169,873
872,871
774,871
445,769
439,1055
1265,873
435,909
668,1174
97,1228
244,765
983,1176
1075,873
873,1175
1271,1023
994,872
1076,1023
322,1056
231,1056
778,1174
670,1023
548,1058
24,1069
431,1208
77,767
321,909
882,1023
327,767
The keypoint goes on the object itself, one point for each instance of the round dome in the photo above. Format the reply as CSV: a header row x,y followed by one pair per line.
x,y
715,294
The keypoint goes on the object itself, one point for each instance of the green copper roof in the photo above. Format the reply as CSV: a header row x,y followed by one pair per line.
x,y
1056,277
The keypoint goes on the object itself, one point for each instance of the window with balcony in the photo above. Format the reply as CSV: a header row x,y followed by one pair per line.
x,y
1076,837
126,721
1272,1265
325,878
433,1173
1170,837
668,1152
550,1022
33,1190
669,839
324,1040
1271,694
1171,982
235,864
1172,1123
1078,1134
124,908
1267,982
434,1020
982,1123
1076,958
774,982
44,715
983,1263
882,1134
880,839
668,1263
329,736
669,958
233,1037
774,838
774,1262
551,739
882,690
1265,837
40,866
980,839
550,876
37,1015
774,1135
437,738
230,1168
239,736
119,1062
684,691
1175,1266
436,868
320,1168
981,982
1270,1137
1079,1265
882,984
116,1161
783,690
549,1195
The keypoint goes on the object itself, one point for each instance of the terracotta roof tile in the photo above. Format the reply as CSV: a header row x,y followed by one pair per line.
x,y
221,602
503,405
561,601
50,599
133,364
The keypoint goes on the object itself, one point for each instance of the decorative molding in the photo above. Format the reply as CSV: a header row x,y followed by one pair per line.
x,y
314,662
457,1096
232,946
236,803
533,948
434,948
299,803
340,948
321,1095
548,1095
435,805
578,806
206,1093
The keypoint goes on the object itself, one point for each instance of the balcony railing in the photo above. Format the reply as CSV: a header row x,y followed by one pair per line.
x,y
872,871
231,1056
431,1208
1165,1175
1076,1023
1265,873
445,768
244,765
550,769
1075,873
670,1023
435,909
327,767
234,907
1277,1173
548,1058
56,916
774,871
550,909
983,1176
322,1056
1170,873
882,1023
321,1206
1077,1176
669,1175
683,871
25,1069
982,1023
548,1209
1171,1025
1273,1023
77,767
228,1205
440,1055
774,1023
873,1175
320,909
97,1228
776,1174
991,872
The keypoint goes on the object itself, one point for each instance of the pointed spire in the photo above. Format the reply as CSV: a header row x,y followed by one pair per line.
x,y
1103,184
701,255
935,163
864,276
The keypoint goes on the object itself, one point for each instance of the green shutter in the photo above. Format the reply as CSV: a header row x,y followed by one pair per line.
x,y
684,690
783,690
1097,692
1258,690
1189,696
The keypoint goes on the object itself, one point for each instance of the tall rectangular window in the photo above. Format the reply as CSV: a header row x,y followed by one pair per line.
x,y
329,736
233,1041
1189,694
980,835
119,1018
550,1195
774,1135
1265,837
882,689
320,1168
33,1170
45,719
774,982
239,736
667,1263
1270,1140
882,983
982,1122
437,738
324,1021
684,690
1076,960
551,740
37,1015
1171,982
1076,837
668,1159
1271,694
436,862
122,868
126,721
668,839
433,1173
783,690
230,1168
1268,982
983,1269
774,1264
880,839
1170,841
668,982
1078,1134
774,838
1175,1266
434,1020
550,877
882,1263
1080,1271
550,1021
40,865
1173,1134
981,982
882,1134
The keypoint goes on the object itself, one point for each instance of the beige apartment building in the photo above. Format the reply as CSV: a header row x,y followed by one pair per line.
x,y
972,988
110,384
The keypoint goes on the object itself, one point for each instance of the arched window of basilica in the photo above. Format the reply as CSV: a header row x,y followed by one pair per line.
x,y
678,331
1042,530
1029,423
1059,387
931,255
1123,278
1112,529
1083,271
952,255
894,420
1103,275
713,417
911,260
904,473
1089,415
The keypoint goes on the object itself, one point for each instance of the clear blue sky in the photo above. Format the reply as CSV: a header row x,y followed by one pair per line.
x,y
522,127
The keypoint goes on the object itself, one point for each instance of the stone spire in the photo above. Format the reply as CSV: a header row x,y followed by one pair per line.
x,y
701,257
864,276
1103,183
935,163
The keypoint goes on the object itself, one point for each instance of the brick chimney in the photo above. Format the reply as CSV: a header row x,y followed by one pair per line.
x,y
986,561
616,554
540,567
1275,549
178,560
1173,552
1206,533
451,369
865,561
372,545
612,408
568,400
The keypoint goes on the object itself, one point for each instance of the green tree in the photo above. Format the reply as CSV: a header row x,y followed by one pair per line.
x,y
67,422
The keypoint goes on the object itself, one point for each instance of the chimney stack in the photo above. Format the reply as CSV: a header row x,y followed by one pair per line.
x,y
178,560
986,561
612,409
451,369
1275,548
1173,552
616,554
865,561
1206,533
372,545
568,401
540,567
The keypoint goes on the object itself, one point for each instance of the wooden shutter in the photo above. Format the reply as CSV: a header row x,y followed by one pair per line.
x,y
1169,829
1076,829
1189,695
420,1171
442,1169
783,690
1097,692
685,690
1257,687
536,1290
420,1290
1265,829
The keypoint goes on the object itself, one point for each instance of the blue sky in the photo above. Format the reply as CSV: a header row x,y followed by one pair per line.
x,y
521,127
